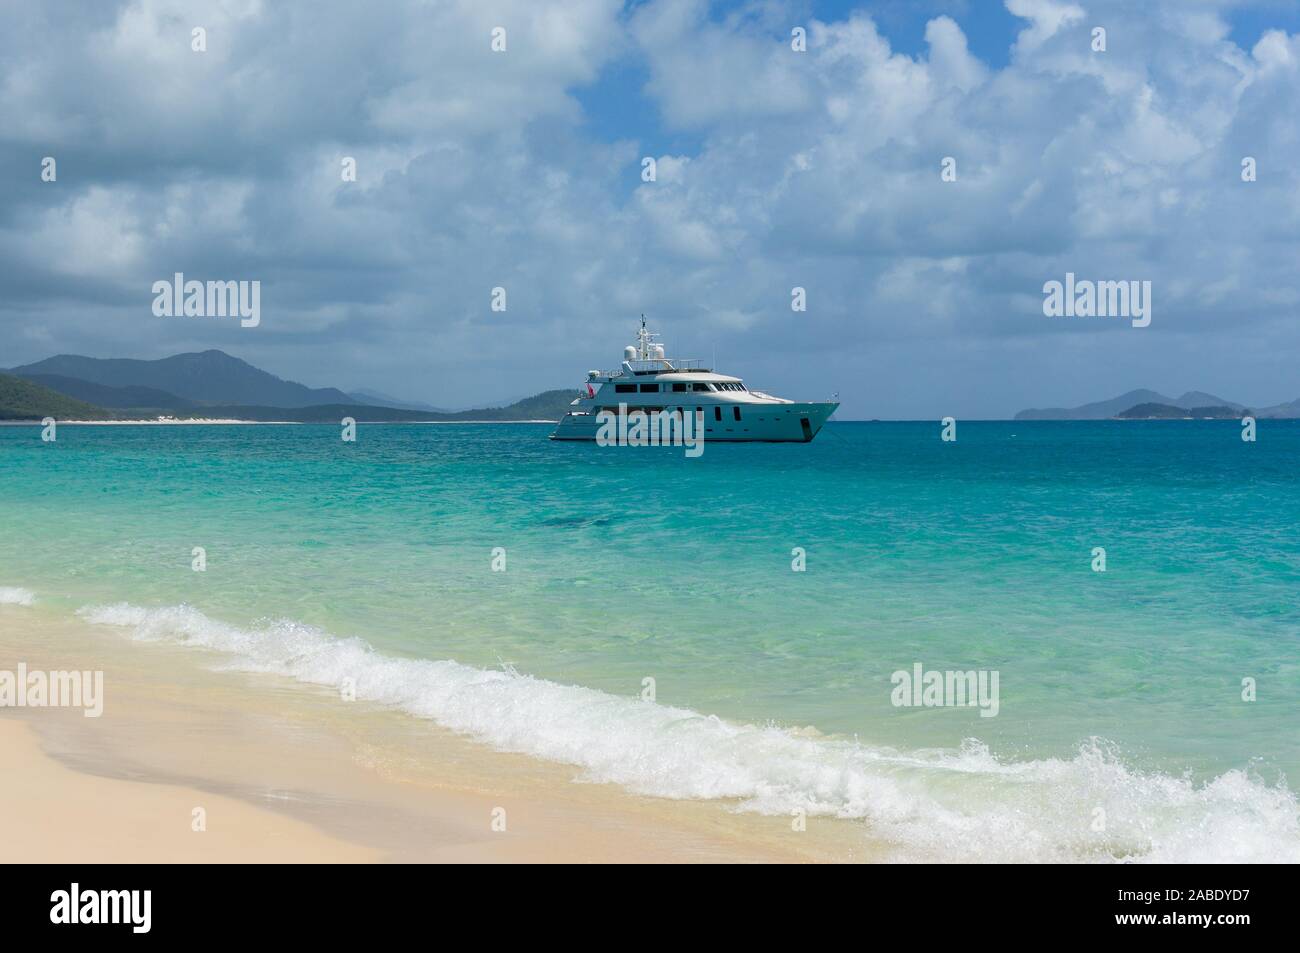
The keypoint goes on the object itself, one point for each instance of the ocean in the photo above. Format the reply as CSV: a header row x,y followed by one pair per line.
x,y
733,627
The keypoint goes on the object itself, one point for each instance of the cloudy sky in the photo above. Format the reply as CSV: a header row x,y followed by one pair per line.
x,y
776,169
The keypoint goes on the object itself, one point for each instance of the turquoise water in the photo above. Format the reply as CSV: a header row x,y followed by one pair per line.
x,y
1120,690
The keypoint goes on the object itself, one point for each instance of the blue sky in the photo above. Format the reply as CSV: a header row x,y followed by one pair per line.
x,y
776,169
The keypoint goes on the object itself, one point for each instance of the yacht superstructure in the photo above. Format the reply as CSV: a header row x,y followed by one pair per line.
x,y
649,382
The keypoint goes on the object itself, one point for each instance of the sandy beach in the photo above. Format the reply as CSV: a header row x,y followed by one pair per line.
x,y
285,773
61,815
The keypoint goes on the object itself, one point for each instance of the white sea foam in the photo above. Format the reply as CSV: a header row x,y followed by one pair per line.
x,y
960,805
15,596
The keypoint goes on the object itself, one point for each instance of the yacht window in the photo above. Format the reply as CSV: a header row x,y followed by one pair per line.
x,y
717,413
649,388
736,411
625,388
699,386
678,388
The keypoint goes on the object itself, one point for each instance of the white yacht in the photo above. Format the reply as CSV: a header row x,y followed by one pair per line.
x,y
649,382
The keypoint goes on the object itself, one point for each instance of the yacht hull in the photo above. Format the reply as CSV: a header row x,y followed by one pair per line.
x,y
762,423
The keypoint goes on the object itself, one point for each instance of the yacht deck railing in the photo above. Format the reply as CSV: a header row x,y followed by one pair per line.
x,y
661,366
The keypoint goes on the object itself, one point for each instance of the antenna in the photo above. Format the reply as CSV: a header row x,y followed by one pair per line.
x,y
645,340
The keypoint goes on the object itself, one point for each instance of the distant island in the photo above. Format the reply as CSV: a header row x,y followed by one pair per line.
x,y
1149,404
213,385
1170,412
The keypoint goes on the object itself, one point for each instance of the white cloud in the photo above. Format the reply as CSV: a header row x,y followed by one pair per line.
x,y
950,60
1047,18
705,73
1275,50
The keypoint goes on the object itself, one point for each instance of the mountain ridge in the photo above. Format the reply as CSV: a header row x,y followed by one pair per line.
x,y
118,398
1189,401
379,399
34,398
203,377
21,399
